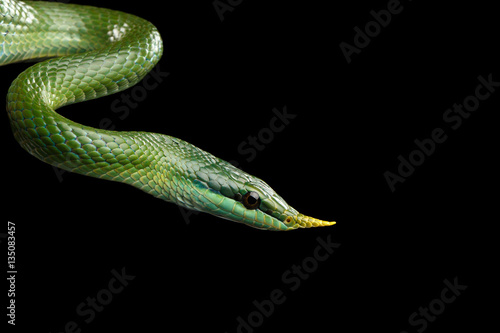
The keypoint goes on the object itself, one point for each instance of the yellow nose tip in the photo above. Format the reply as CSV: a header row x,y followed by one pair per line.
x,y
304,221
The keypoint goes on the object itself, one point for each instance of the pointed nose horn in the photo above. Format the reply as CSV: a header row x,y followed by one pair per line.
x,y
304,221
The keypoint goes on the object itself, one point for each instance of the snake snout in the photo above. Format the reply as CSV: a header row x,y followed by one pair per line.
x,y
304,221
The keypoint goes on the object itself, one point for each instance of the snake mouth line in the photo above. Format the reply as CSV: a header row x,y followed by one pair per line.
x,y
215,203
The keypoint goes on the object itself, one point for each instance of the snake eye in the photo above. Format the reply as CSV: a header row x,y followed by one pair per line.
x,y
251,200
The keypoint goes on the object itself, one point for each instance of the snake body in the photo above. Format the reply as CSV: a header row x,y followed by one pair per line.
x,y
91,52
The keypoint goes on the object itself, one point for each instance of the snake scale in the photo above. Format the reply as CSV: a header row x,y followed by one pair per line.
x,y
86,53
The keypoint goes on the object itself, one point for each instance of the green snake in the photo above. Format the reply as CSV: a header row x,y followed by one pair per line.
x,y
86,53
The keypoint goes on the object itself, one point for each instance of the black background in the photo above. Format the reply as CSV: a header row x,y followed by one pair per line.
x,y
352,122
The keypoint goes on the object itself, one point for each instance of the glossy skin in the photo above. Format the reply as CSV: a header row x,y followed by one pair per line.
x,y
96,52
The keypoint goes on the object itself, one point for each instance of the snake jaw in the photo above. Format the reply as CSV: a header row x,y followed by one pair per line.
x,y
216,204
304,221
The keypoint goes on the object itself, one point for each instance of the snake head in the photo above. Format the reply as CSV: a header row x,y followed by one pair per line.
x,y
230,193
200,181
